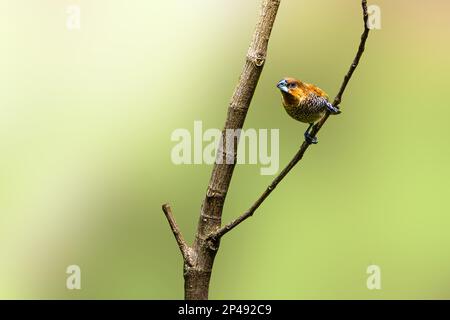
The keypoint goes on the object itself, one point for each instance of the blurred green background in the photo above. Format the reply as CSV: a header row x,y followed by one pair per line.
x,y
85,124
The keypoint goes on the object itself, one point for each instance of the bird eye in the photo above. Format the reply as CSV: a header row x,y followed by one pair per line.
x,y
292,85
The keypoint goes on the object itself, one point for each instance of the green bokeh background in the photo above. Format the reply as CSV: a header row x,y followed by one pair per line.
x,y
85,124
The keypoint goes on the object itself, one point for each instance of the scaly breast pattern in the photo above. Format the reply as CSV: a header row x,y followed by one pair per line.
x,y
310,109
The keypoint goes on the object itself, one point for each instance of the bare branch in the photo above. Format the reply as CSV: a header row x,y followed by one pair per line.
x,y
214,236
197,278
184,248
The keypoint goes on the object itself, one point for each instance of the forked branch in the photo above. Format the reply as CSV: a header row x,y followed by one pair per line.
x,y
215,236
184,248
199,258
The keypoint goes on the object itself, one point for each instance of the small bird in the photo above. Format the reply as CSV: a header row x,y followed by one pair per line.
x,y
305,102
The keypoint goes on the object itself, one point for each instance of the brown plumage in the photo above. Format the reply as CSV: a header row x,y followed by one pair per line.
x,y
305,102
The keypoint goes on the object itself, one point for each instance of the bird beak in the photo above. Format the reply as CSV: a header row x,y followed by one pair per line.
x,y
282,85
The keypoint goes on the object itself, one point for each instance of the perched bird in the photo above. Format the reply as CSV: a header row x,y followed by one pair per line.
x,y
305,102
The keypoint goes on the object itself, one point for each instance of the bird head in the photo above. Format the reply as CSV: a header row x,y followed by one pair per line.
x,y
291,89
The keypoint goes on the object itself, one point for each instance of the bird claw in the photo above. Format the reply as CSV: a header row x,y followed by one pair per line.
x,y
310,139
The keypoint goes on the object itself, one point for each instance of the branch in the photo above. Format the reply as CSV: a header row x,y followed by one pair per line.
x,y
184,248
299,155
197,277
199,258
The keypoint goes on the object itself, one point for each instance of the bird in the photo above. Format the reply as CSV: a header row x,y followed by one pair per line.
x,y
305,102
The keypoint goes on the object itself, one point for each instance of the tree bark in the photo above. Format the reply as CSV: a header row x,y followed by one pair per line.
x,y
215,236
197,277
199,259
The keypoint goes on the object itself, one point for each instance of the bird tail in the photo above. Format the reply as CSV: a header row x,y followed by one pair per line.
x,y
333,109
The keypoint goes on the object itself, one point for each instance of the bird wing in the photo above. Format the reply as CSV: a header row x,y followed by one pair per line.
x,y
316,101
317,91
321,103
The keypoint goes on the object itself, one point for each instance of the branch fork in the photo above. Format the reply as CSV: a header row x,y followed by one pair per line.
x,y
216,235
186,251
199,259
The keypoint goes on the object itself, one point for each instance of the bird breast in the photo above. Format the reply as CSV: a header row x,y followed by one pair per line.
x,y
308,110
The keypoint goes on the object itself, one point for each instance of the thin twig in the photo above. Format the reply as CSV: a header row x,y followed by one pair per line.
x,y
299,155
184,248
